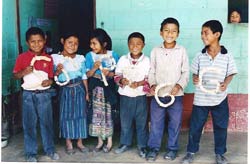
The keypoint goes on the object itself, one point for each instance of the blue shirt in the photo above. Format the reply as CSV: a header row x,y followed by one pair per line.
x,y
91,57
75,67
225,63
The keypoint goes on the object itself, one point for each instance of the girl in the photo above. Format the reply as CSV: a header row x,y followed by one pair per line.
x,y
74,94
103,97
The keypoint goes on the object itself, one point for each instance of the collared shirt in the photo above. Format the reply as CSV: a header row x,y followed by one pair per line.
x,y
44,70
169,66
134,70
224,63
75,67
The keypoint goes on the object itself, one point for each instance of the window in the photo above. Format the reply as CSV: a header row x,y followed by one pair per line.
x,y
237,8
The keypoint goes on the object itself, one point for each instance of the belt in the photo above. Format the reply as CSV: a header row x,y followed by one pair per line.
x,y
37,91
73,85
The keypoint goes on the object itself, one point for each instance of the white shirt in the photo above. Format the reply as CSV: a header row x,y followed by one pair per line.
x,y
133,72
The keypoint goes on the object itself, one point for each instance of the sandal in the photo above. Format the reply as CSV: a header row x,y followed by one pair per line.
x,y
106,149
97,149
69,151
83,149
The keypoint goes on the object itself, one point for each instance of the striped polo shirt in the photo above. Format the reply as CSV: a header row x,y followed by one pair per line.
x,y
224,62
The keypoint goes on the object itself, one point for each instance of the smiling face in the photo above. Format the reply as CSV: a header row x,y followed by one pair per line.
x,y
235,17
135,46
36,43
169,33
70,45
208,37
96,46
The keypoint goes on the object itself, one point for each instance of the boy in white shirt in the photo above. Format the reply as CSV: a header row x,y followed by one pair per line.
x,y
131,76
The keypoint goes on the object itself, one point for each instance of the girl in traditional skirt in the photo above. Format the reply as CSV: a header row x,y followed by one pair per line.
x,y
70,66
103,97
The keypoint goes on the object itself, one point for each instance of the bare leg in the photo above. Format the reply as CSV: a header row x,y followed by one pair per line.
x,y
100,142
109,145
69,144
79,143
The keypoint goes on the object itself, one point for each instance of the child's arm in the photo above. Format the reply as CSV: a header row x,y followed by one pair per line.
x,y
228,79
85,83
23,72
92,71
195,79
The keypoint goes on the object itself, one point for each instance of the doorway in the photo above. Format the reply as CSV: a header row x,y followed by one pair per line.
x,y
78,16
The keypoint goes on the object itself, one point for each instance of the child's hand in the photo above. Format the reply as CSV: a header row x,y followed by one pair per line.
x,y
59,68
46,83
134,85
27,70
87,97
223,86
105,72
97,65
152,89
195,79
124,81
175,90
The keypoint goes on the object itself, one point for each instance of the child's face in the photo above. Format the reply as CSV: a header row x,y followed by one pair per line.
x,y
135,46
235,17
208,37
36,43
70,45
169,32
96,46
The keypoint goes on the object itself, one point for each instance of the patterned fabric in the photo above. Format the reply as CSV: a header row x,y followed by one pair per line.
x,y
73,120
102,123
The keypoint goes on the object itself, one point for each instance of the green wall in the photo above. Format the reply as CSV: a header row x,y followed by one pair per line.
x,y
30,11
120,18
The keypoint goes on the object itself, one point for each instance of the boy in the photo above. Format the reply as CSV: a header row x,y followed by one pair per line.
x,y
131,76
36,103
213,55
169,65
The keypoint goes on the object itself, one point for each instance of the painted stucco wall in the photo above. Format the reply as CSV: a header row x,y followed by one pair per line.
x,y
120,18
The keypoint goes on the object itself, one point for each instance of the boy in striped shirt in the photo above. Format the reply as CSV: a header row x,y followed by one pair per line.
x,y
212,56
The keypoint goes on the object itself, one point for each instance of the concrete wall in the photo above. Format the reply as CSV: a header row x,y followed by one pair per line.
x,y
120,18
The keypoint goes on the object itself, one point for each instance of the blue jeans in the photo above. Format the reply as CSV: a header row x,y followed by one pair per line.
x,y
133,109
37,107
220,116
157,118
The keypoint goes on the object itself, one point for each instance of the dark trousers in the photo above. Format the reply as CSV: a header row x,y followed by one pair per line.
x,y
220,116
157,118
37,108
133,109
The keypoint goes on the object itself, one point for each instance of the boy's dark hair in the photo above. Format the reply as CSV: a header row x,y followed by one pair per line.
x,y
215,26
34,31
68,34
103,37
136,35
170,20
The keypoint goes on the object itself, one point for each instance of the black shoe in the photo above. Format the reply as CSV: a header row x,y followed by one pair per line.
x,y
189,157
152,154
31,158
220,159
171,154
121,149
142,152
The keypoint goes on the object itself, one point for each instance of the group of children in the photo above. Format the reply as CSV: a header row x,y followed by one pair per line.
x,y
94,78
